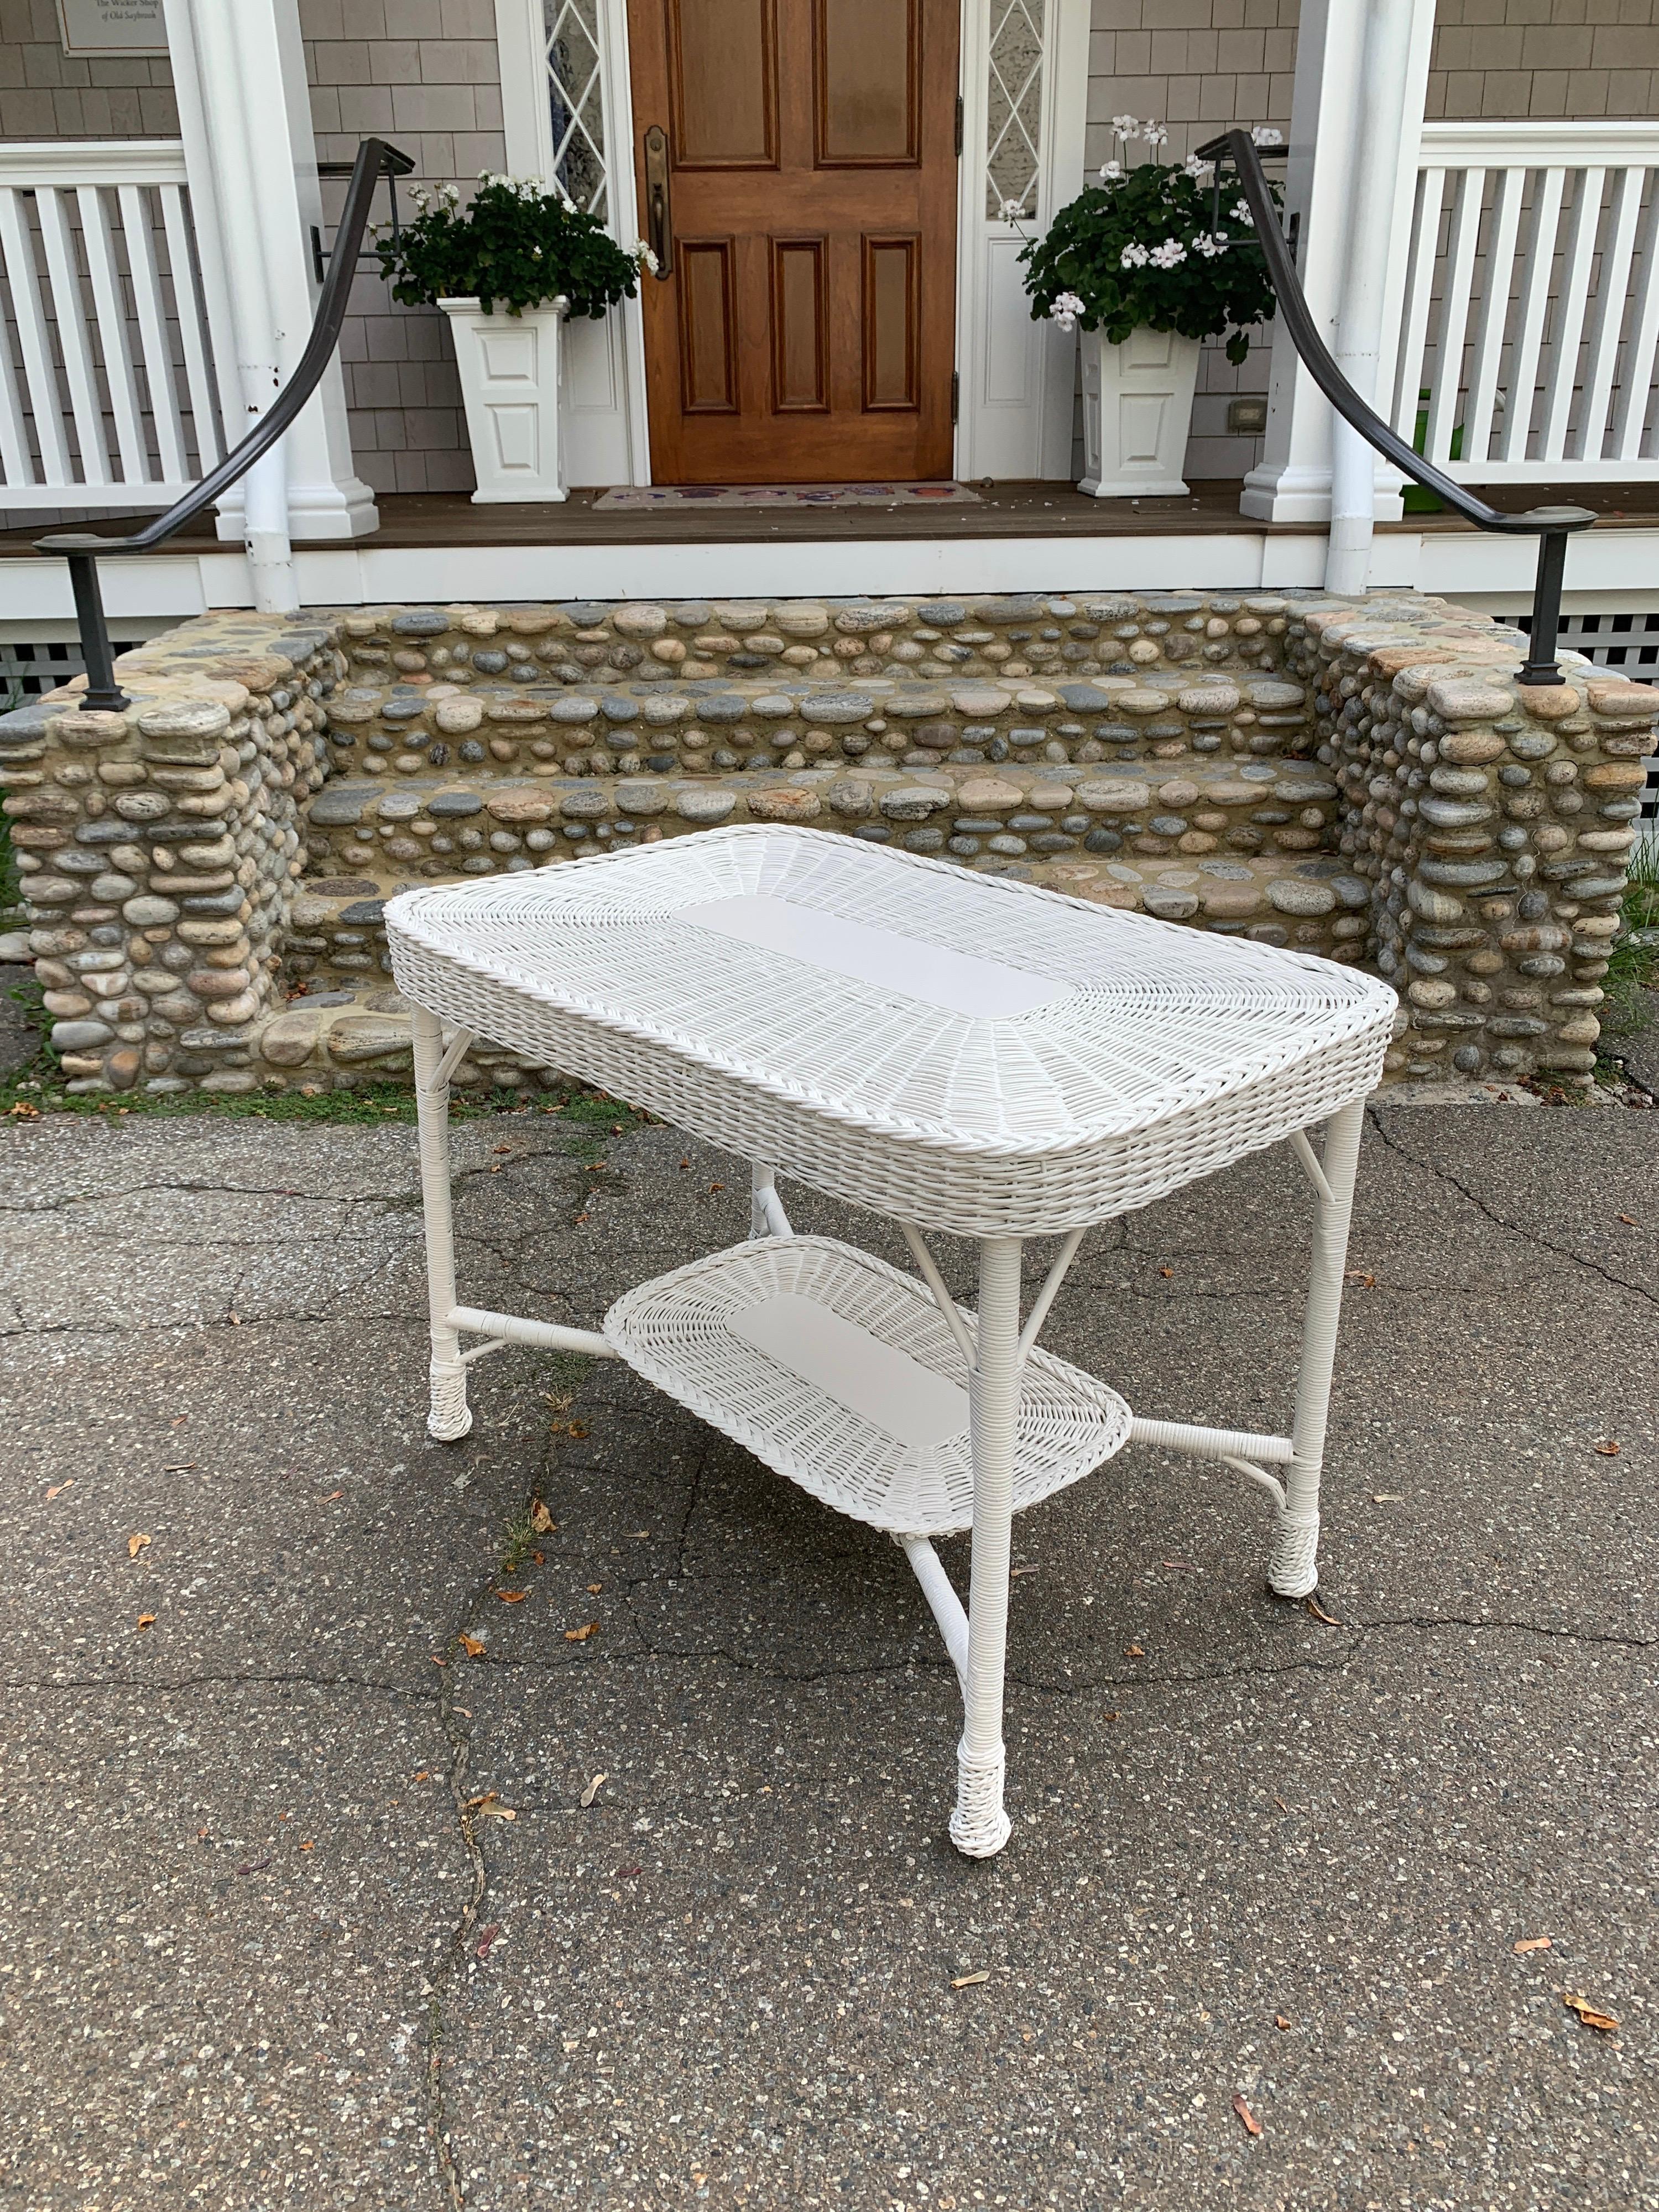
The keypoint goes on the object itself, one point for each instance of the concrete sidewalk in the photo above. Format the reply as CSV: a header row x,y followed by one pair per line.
x,y
294,1918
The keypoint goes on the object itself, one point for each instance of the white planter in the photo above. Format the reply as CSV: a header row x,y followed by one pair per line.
x,y
1137,412
509,367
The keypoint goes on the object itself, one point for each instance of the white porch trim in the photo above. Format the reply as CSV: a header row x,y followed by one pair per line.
x,y
1458,565
244,120
605,427
1356,122
1018,378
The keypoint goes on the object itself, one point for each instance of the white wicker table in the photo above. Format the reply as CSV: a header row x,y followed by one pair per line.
x,y
962,1052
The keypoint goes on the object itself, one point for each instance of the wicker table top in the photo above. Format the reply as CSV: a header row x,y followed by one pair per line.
x,y
962,1051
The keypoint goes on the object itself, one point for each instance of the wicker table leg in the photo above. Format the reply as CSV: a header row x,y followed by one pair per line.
x,y
1293,1566
979,1826
450,1417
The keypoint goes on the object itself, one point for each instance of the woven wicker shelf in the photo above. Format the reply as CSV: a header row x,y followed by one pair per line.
x,y
839,1372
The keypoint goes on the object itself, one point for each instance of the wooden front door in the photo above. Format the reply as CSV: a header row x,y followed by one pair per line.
x,y
800,158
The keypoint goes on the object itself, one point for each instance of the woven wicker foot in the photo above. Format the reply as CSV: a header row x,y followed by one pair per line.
x,y
979,1827
451,1417
1293,1563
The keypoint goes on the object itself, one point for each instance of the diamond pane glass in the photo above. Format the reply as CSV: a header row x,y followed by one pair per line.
x,y
575,92
1014,105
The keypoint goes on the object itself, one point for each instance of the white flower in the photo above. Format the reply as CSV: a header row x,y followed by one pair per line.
x,y
1167,255
1240,211
1199,172
645,258
1065,310
1154,133
1209,243
1012,210
1133,257
1127,127
1111,172
1263,135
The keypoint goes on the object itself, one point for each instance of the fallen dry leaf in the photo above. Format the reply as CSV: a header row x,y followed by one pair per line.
x,y
135,1545
487,1937
472,1645
488,1807
1388,1498
1134,1652
1167,1273
147,1620
577,1429
1361,1278
1532,1943
967,1981
1279,2020
1591,2015
581,1635
332,1495
1630,1221
1252,2125
1182,1566
58,1488
1609,1448
308,1847
594,1588
513,1597
541,1519
593,1790
1320,1614
713,1187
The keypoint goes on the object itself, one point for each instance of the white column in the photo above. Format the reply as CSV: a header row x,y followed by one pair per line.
x,y
1361,71
244,115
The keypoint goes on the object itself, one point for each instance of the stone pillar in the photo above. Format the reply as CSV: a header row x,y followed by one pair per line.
x,y
244,115
1493,820
1361,72
158,849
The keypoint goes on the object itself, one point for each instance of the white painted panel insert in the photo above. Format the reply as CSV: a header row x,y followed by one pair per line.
x,y
881,1385
985,990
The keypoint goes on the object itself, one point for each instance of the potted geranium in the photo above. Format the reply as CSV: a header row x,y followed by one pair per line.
x,y
1149,263
506,270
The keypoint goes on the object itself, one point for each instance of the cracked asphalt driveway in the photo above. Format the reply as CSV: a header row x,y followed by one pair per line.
x,y
314,1896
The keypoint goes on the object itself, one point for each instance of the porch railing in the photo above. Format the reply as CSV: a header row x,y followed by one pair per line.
x,y
110,392
1530,316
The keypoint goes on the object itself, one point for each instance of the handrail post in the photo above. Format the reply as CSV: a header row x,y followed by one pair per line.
x,y
1541,665
103,693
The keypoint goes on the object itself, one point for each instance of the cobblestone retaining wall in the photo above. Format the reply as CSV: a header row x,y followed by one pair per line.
x,y
1362,779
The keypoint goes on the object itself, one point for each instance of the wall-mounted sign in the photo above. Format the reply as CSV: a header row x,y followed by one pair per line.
x,y
113,27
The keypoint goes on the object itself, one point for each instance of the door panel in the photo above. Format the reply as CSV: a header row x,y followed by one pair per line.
x,y
723,83
868,96
806,331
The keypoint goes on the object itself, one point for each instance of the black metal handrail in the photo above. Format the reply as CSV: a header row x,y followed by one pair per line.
x,y
376,159
1551,526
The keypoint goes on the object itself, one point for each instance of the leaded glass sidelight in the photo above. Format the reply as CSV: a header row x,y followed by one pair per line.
x,y
576,93
1014,106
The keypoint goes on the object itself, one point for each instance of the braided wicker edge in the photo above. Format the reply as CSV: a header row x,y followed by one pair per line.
x,y
1368,1014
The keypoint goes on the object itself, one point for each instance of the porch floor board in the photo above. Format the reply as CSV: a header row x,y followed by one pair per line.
x,y
418,520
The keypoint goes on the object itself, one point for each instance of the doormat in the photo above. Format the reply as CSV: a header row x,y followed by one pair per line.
x,y
785,495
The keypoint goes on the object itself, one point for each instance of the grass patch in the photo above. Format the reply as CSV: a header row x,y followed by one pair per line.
x,y
39,1089
1633,963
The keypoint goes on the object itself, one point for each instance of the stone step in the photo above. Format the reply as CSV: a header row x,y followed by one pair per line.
x,y
628,726
1225,845
435,827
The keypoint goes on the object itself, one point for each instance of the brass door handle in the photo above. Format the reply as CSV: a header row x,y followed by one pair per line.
x,y
658,231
